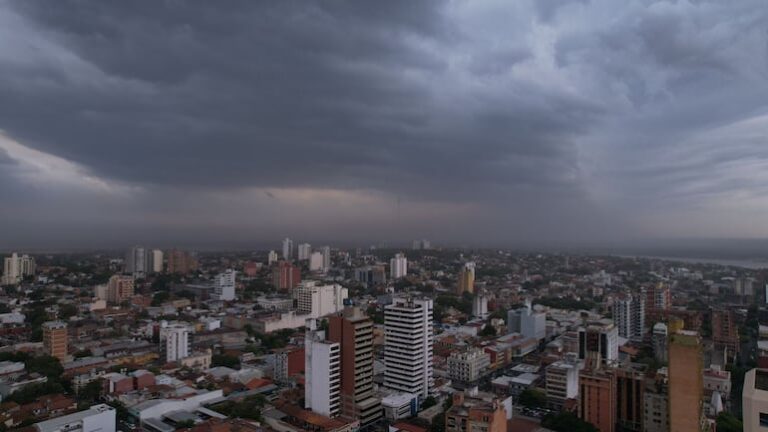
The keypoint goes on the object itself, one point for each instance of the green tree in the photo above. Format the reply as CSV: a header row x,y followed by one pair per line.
x,y
225,360
532,398
727,422
488,331
429,402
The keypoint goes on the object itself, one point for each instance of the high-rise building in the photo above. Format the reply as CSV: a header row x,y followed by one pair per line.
x,y
659,342
480,305
16,267
353,330
271,257
408,345
725,331
562,381
119,289
157,261
755,400
322,372
472,414
629,315
55,339
398,266
287,249
304,250
597,397
527,322
136,261
174,338
630,391
326,251
601,337
316,262
466,282
181,262
421,245
286,276
656,405
686,381
658,299
371,276
319,300
224,287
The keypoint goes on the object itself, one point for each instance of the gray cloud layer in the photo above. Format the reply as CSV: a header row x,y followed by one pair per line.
x,y
488,121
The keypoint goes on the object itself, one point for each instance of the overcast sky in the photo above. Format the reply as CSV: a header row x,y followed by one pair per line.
x,y
465,122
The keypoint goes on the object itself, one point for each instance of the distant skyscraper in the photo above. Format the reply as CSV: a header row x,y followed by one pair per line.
x,y
322,373
408,346
136,262
629,315
175,339
287,249
659,342
466,282
353,330
271,257
16,267
285,276
725,331
480,305
326,251
316,262
421,245
304,249
225,285
398,266
119,289
181,262
55,339
157,261
686,381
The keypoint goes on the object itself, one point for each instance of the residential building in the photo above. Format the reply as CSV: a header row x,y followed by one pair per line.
x,y
98,418
353,330
224,287
686,385
271,257
470,414
597,398
659,342
322,372
480,305
175,339
326,252
304,250
398,266
157,261
56,339
656,406
408,341
527,322
316,262
16,267
287,249
319,300
601,337
136,262
629,315
755,401
630,400
658,299
466,282
468,366
181,262
119,289
286,276
562,381
371,276
725,331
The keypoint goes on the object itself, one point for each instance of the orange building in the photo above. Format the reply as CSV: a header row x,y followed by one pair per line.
x,y
597,398
725,332
286,276
469,414
55,339
466,281
119,289
686,381
181,262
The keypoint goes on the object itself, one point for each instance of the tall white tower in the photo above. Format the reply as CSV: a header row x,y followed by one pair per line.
x,y
176,341
398,266
157,261
136,262
225,285
322,372
408,346
304,250
287,249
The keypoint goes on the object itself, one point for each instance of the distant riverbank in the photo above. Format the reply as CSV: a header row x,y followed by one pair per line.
x,y
744,263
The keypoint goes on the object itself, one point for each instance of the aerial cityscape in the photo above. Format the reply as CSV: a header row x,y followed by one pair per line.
x,y
383,216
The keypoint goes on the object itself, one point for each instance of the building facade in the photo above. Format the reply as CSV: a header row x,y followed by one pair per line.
x,y
408,338
56,339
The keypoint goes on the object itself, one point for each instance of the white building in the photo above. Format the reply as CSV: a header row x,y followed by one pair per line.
x,y
602,337
399,406
175,339
271,257
562,381
468,366
319,300
157,261
224,288
659,341
322,365
15,267
755,400
304,250
629,315
398,266
287,249
316,262
408,346
480,306
136,262
326,251
527,322
98,418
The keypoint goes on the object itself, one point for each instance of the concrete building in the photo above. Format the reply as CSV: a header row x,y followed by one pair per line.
x,y
629,315
601,337
597,398
136,262
466,280
319,300
16,267
119,289
755,401
480,305
398,266
470,414
56,340
271,257
630,406
399,406
181,262
527,322
285,276
287,249
304,250
659,342
371,276
316,262
562,382
224,286
157,261
725,331
469,366
658,299
656,406
175,339
322,372
326,252
98,418
353,330
408,345
686,385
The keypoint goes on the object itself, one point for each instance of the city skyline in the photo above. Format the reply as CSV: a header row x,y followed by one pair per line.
x,y
480,123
